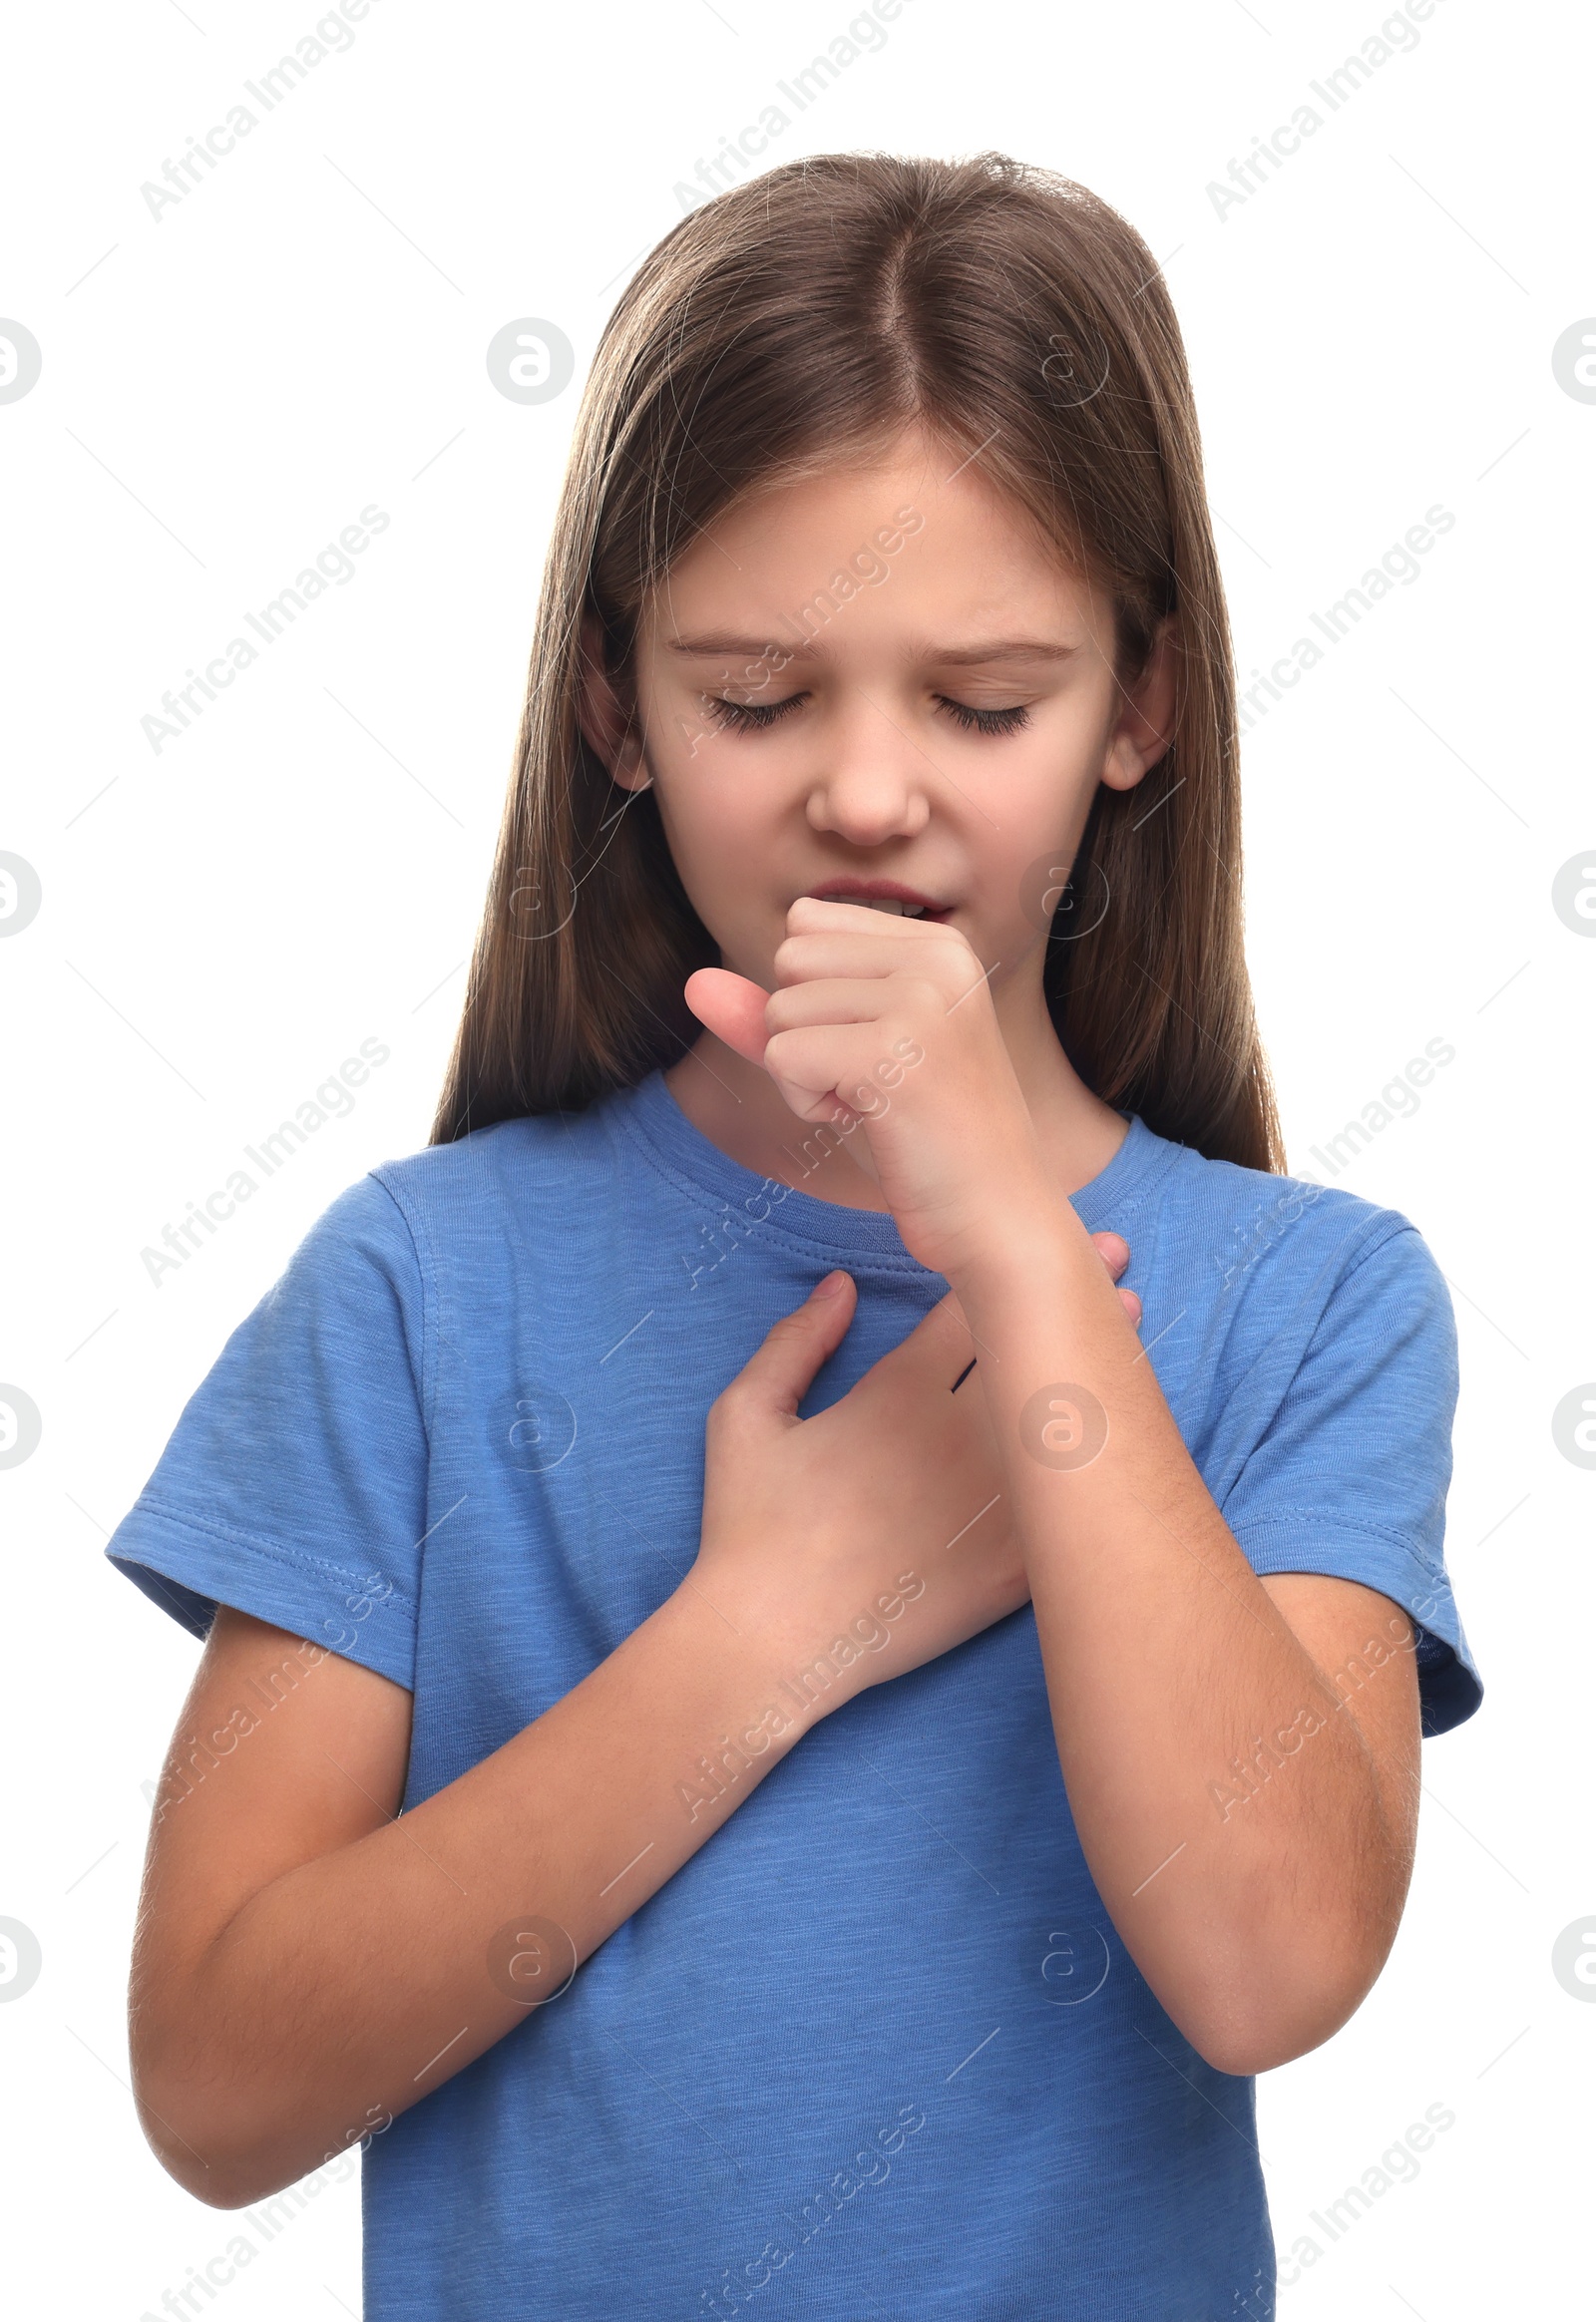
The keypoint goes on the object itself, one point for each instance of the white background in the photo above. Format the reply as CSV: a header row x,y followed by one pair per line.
x,y
224,388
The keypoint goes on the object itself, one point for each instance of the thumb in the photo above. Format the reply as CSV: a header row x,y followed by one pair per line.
x,y
731,1008
775,1379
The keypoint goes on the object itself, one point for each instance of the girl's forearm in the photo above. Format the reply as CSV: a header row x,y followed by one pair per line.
x,y
352,1985
1167,1663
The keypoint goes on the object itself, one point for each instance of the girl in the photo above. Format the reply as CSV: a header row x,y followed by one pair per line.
x,y
757,1748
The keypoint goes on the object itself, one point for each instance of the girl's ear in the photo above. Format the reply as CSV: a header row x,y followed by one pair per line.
x,y
1145,727
608,723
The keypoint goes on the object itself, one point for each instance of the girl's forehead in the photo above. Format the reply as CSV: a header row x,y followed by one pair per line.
x,y
898,543
918,476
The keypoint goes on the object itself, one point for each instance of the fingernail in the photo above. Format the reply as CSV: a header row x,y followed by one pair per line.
x,y
830,1288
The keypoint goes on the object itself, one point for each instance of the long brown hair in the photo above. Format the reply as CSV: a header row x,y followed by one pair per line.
x,y
807,317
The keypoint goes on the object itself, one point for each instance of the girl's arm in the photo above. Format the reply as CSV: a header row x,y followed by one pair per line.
x,y
307,1965
1170,1666
1251,1832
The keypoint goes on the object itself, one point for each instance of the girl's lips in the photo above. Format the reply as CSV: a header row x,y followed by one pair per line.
x,y
882,895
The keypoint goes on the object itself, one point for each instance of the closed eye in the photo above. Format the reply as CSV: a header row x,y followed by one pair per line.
x,y
984,721
746,717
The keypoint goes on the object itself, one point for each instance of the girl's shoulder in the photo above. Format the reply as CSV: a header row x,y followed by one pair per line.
x,y
1221,1219
532,1157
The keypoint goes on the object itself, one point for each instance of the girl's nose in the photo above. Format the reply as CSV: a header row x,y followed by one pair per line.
x,y
871,786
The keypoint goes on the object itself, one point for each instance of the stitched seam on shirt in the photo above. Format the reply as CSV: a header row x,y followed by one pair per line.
x,y
882,1261
1395,1225
416,1232
1135,1198
1338,1525
718,1205
1352,1255
314,1566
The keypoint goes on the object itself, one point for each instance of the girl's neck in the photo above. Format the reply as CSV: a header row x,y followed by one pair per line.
x,y
738,1106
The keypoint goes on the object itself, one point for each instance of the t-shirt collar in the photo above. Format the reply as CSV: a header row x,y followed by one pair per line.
x,y
685,1153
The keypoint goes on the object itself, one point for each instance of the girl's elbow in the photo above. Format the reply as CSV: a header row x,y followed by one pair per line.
x,y
219,2177
1243,2051
1253,2024
215,2146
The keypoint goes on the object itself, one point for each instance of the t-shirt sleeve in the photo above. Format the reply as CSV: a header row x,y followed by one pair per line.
x,y
294,1484
1350,1475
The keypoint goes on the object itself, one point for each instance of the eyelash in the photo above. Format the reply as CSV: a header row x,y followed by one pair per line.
x,y
746,717
984,721
757,717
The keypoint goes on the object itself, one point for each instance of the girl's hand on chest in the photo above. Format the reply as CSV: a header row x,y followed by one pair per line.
x,y
875,1535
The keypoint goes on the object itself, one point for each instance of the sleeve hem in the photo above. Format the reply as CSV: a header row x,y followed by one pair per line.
x,y
189,1567
1449,1686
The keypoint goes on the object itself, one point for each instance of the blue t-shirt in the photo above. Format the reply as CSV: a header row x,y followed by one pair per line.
x,y
877,2050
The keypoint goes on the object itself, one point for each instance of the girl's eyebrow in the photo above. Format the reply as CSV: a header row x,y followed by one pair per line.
x,y
1006,649
754,648
996,650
